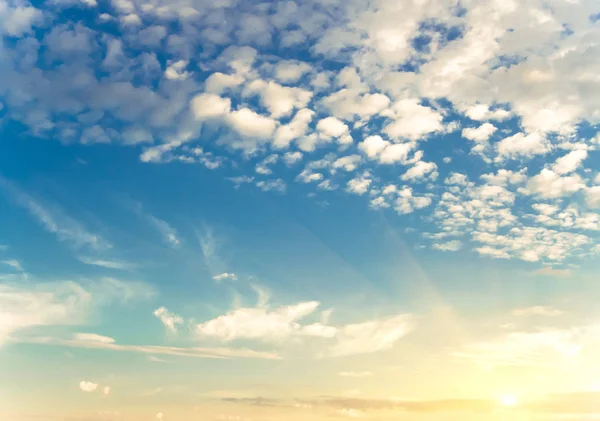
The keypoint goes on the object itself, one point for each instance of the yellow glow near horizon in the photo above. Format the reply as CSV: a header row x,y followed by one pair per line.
x,y
509,401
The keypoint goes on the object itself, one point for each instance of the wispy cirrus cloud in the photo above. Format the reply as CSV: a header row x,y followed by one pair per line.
x,y
106,263
55,221
169,235
92,341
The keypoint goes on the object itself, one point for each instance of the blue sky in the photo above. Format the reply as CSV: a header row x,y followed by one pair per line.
x,y
300,210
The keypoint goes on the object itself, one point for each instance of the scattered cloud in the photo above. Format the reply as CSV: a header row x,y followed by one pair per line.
x,y
88,386
170,320
549,271
105,263
225,276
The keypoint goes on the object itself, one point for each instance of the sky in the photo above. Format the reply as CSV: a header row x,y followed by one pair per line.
x,y
299,210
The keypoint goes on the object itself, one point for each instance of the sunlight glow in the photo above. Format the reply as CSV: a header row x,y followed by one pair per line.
x,y
509,401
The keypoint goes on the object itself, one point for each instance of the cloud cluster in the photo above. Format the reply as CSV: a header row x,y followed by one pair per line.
x,y
507,87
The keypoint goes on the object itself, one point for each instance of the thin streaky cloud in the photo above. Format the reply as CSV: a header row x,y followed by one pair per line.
x,y
55,221
192,352
105,263
169,234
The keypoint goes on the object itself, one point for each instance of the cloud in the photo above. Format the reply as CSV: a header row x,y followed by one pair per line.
x,y
55,220
106,390
170,320
537,311
371,336
479,134
15,264
169,234
102,343
88,386
521,145
355,374
258,323
109,264
225,276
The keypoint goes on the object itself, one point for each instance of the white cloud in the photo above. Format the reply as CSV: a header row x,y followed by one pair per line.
x,y
481,112
412,120
548,184
371,336
291,158
248,123
592,195
206,106
109,264
106,390
420,171
110,344
176,70
570,162
277,185
169,234
279,100
225,276
294,129
88,386
258,323
289,71
170,320
479,134
348,163
453,245
372,146
359,185
522,145
332,127
219,82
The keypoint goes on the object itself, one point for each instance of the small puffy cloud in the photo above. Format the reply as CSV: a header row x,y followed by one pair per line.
x,y
412,120
206,106
592,196
480,112
248,123
218,82
279,100
170,320
176,70
570,162
332,127
106,390
307,176
88,386
537,311
420,171
294,129
550,185
276,185
226,276
258,323
453,245
372,146
289,71
407,202
359,185
290,158
479,134
348,163
521,145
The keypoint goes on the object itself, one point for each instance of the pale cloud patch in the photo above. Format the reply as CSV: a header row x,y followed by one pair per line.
x,y
412,120
56,221
479,134
550,185
570,162
105,263
523,145
225,276
355,374
88,386
537,311
15,264
169,319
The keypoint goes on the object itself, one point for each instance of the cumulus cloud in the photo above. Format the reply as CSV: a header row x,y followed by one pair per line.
x,y
88,386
